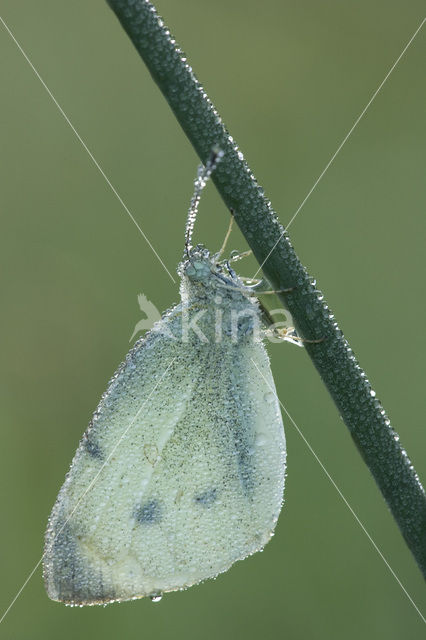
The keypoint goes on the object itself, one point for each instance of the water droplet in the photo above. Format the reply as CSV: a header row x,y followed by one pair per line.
x,y
372,393
156,597
269,397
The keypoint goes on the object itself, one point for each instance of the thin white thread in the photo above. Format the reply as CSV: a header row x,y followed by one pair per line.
x,y
21,590
86,148
30,575
343,142
343,497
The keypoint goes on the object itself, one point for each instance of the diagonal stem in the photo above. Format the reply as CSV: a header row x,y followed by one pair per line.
x,y
333,358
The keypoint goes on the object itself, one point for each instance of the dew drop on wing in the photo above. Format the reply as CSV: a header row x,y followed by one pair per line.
x,y
157,597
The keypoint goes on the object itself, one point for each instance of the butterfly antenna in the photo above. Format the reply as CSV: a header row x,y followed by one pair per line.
x,y
228,233
203,174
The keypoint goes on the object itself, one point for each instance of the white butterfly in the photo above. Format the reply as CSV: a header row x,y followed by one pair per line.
x,y
181,471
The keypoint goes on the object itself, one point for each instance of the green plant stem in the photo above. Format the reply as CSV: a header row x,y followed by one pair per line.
x,y
333,358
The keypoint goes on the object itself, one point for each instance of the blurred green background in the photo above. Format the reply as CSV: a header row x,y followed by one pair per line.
x,y
289,78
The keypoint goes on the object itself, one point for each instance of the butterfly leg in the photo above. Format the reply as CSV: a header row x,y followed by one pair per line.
x,y
286,333
228,233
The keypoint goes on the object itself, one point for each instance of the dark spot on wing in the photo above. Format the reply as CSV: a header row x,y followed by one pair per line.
x,y
148,513
92,448
69,576
240,410
245,463
207,498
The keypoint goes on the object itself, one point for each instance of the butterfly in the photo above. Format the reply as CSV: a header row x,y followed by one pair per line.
x,y
181,470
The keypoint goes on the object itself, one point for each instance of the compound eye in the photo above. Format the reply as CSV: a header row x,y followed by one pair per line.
x,y
198,270
190,271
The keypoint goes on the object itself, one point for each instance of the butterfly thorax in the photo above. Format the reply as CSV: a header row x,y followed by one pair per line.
x,y
226,308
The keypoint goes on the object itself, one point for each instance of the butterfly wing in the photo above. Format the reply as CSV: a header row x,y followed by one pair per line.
x,y
180,474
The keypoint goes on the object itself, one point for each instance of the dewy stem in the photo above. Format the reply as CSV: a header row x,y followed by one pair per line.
x,y
333,358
